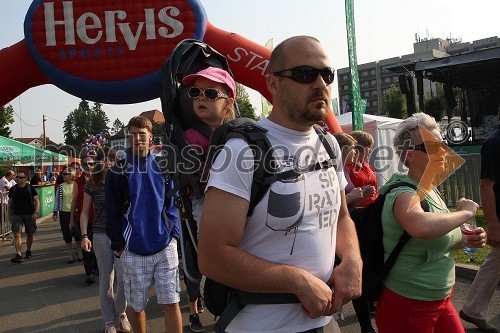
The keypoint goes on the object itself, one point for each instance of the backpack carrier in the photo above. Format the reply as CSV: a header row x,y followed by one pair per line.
x,y
189,57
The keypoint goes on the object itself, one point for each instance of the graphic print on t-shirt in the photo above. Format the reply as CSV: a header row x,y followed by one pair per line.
x,y
290,199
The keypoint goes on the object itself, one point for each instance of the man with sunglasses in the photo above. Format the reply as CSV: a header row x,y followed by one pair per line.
x,y
289,242
23,211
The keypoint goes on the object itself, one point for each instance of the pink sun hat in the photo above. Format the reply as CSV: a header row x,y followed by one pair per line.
x,y
213,74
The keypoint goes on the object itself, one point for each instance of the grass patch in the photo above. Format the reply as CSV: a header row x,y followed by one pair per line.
x,y
478,260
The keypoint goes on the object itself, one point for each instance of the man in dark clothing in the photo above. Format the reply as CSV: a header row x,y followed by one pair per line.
x,y
23,210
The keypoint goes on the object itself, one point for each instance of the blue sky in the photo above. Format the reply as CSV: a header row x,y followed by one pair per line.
x,y
384,29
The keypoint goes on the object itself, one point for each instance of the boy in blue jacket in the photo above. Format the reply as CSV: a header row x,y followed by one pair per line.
x,y
143,228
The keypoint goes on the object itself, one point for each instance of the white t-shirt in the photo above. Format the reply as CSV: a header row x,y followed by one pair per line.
x,y
3,183
295,223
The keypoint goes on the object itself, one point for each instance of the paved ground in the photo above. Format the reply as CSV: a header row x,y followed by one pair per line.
x,y
45,294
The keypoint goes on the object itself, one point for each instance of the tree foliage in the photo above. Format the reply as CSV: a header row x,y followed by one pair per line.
x,y
117,126
246,108
158,132
83,121
6,118
394,104
435,104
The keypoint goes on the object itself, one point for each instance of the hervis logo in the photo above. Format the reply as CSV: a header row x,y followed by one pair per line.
x,y
117,47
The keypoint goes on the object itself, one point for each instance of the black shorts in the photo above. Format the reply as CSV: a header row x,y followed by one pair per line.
x,y
29,223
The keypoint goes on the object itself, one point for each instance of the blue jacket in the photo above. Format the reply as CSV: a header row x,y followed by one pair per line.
x,y
149,222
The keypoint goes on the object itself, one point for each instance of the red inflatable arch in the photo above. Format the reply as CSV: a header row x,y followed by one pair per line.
x,y
112,52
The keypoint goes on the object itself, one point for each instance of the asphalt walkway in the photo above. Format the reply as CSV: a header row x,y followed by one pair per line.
x,y
45,294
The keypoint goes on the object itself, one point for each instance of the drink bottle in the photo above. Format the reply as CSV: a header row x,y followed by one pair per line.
x,y
468,229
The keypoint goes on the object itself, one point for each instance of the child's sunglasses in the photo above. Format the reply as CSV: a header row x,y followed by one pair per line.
x,y
308,74
209,93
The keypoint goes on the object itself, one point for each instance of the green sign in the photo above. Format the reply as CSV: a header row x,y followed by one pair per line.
x,y
466,150
46,196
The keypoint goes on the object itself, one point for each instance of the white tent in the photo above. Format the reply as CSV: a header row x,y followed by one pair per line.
x,y
384,158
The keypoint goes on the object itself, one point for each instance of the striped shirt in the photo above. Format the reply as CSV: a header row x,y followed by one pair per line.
x,y
97,195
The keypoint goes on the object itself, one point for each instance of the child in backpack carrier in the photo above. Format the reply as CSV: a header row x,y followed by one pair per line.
x,y
213,91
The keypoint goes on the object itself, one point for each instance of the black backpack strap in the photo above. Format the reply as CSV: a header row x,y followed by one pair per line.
x,y
325,141
203,129
240,299
403,239
256,138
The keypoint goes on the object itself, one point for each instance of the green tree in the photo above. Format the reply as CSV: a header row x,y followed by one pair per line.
x,y
435,104
117,126
83,121
158,132
394,104
6,118
99,120
246,108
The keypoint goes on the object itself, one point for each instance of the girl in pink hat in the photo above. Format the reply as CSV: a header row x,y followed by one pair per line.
x,y
213,92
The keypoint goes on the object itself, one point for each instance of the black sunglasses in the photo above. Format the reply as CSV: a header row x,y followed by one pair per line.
x,y
209,93
308,74
21,177
430,147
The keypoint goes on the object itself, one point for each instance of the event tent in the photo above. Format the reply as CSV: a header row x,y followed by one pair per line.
x,y
384,158
16,153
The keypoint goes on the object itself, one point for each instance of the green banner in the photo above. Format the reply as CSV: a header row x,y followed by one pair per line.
x,y
466,150
357,114
46,196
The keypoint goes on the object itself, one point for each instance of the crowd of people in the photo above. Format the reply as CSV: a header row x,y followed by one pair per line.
x,y
122,217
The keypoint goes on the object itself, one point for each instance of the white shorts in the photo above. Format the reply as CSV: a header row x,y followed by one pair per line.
x,y
141,272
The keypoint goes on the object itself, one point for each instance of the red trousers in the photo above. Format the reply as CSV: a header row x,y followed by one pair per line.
x,y
396,314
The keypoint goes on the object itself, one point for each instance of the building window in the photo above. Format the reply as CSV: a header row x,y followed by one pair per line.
x,y
345,77
372,72
374,93
345,87
387,80
365,84
366,94
374,103
373,82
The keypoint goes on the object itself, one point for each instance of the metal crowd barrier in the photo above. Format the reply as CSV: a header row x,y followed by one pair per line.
x,y
5,227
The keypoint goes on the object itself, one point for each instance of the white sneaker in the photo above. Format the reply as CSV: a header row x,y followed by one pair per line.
x,y
110,328
124,324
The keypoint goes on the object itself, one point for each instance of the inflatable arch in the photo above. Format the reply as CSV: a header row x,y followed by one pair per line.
x,y
112,52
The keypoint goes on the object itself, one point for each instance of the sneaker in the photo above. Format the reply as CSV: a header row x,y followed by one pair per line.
x,y
17,259
480,323
199,305
28,254
124,324
195,323
71,257
110,328
89,279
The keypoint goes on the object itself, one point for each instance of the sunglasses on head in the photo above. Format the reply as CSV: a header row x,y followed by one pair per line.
x,y
89,164
430,147
20,177
308,74
209,93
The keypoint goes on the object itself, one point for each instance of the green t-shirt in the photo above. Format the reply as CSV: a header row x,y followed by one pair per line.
x,y
425,269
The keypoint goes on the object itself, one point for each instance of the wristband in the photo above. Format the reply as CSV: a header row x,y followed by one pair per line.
x,y
85,236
